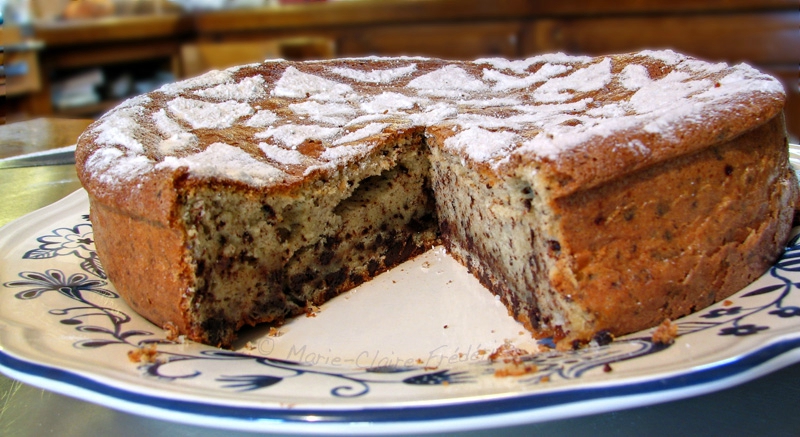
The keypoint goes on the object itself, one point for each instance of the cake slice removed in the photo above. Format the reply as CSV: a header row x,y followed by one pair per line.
x,y
264,255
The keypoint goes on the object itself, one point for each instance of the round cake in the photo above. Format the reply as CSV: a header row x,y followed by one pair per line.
x,y
596,196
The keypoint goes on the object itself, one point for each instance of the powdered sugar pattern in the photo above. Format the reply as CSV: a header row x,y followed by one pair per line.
x,y
200,114
539,107
281,155
214,77
293,135
119,128
390,102
249,88
296,84
329,113
262,118
483,144
591,78
375,76
363,133
223,160
449,81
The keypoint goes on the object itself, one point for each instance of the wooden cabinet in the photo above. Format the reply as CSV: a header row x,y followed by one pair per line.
x,y
765,38
763,33
114,46
446,40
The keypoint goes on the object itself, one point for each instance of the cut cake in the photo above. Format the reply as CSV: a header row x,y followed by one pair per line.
x,y
594,196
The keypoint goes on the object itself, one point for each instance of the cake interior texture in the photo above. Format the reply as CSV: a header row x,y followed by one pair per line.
x,y
646,247
221,223
263,257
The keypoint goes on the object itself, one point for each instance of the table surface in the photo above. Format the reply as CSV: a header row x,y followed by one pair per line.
x,y
765,406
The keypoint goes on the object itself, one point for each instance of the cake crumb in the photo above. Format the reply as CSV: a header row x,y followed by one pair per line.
x,y
727,303
665,333
512,359
274,332
311,309
144,354
607,368
172,332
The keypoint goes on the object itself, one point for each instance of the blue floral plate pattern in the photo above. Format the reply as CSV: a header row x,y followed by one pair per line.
x,y
408,351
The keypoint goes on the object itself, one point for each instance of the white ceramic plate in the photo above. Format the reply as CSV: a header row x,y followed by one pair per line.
x,y
406,352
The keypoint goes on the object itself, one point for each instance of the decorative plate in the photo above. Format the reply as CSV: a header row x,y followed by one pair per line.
x,y
409,351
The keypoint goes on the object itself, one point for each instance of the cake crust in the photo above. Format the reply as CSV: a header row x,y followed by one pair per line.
x,y
274,177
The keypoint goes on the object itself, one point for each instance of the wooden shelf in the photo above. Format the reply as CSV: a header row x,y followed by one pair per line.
x,y
113,29
340,14
760,32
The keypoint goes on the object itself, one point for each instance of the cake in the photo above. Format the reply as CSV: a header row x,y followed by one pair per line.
x,y
595,196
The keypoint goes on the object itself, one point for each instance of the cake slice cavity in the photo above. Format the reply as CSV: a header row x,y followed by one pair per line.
x,y
264,257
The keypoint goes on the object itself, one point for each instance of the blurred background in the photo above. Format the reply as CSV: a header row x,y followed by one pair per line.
x,y
79,58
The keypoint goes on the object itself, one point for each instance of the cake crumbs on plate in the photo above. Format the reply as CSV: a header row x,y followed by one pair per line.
x,y
274,332
512,359
144,354
173,334
665,333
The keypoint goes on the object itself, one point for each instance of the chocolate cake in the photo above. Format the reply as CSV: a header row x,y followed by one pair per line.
x,y
594,196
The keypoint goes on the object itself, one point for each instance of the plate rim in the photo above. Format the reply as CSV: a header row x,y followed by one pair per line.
x,y
504,410
449,414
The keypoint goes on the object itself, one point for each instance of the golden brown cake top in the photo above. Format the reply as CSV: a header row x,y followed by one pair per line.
x,y
580,119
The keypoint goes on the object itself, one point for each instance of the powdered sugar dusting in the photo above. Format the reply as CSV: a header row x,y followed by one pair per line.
x,y
505,82
225,161
249,88
281,155
296,84
293,135
482,144
262,118
340,153
111,166
449,81
214,77
591,78
365,132
634,76
390,102
178,143
329,113
200,114
166,126
119,128
543,106
434,114
375,76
